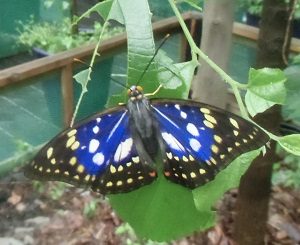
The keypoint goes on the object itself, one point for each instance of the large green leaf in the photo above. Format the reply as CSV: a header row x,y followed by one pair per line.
x,y
256,104
268,84
291,143
291,108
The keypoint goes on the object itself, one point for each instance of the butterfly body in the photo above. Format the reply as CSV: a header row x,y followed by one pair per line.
x,y
127,147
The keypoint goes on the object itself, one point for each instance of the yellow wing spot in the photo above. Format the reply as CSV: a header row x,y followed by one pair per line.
x,y
184,176
119,182
73,161
222,156
215,149
169,155
202,171
234,123
75,145
120,168
140,177
112,169
93,177
218,139
229,149
185,159
205,110
76,177
40,169
235,132
193,175
208,124
49,152
129,181
251,136
80,169
53,161
176,158
72,132
70,141
245,141
87,177
48,170
213,160
128,164
66,173
136,159
237,144
254,133
35,167
210,118
109,184
191,158
57,171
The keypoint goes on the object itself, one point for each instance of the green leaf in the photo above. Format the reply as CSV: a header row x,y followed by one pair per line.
x,y
180,79
141,47
83,77
268,84
256,104
102,8
225,180
164,211
291,109
291,143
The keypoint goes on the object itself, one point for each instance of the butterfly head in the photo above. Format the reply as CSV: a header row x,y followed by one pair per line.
x,y
135,92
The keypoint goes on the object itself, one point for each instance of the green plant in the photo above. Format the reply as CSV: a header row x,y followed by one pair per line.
x,y
56,37
90,208
254,7
162,211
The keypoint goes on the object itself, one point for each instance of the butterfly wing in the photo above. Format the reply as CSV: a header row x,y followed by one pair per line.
x,y
201,140
98,152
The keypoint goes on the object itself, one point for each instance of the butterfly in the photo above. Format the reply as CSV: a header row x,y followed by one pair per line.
x,y
126,147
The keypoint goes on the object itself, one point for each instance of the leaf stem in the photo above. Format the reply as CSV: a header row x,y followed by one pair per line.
x,y
84,89
197,51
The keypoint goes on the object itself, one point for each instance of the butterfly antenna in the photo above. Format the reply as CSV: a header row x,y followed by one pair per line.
x,y
116,81
121,84
156,51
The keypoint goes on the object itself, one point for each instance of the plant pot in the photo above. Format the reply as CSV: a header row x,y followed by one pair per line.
x,y
40,53
296,28
252,19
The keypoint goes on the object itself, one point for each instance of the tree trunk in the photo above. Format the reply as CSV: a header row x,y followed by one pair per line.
x,y
216,43
255,186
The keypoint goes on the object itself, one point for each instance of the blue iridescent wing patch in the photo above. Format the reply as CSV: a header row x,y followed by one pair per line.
x,y
98,152
201,140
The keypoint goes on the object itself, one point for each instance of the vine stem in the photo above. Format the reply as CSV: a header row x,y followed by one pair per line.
x,y
84,87
197,51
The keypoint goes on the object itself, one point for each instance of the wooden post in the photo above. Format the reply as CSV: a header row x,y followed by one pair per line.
x,y
67,93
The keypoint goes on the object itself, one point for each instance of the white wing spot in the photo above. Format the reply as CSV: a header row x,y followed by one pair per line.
x,y
98,158
183,114
123,150
98,119
96,129
172,141
195,144
177,107
191,128
93,146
